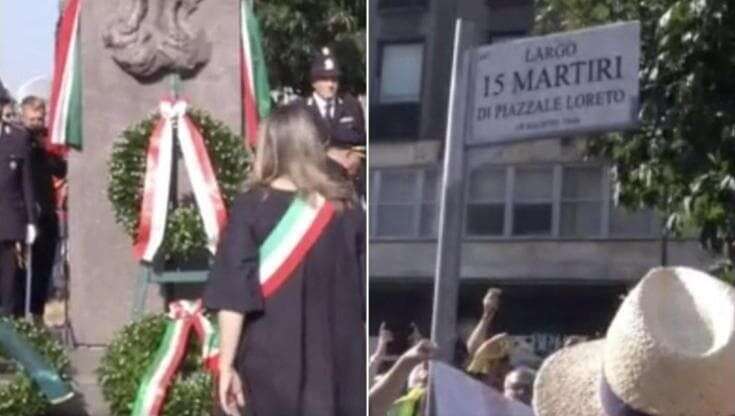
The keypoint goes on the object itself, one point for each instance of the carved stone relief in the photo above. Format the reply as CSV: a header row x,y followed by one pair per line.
x,y
149,38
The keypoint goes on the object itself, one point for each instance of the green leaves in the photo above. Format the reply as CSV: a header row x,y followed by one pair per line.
x,y
184,236
129,356
294,30
682,159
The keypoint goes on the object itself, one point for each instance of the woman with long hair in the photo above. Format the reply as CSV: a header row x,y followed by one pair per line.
x,y
288,283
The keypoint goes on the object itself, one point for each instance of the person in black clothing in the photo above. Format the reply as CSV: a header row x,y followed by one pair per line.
x,y
17,211
7,111
340,120
44,168
292,344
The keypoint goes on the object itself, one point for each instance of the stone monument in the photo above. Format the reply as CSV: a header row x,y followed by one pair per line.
x,y
128,48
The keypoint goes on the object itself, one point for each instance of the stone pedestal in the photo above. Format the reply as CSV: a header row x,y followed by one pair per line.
x,y
103,271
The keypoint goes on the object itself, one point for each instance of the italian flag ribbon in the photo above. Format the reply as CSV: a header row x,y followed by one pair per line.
x,y
65,107
159,159
184,316
256,102
289,242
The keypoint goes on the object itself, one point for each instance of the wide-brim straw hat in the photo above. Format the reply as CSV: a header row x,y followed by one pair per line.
x,y
669,351
495,348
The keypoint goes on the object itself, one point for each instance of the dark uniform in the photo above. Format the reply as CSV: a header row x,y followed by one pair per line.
x,y
46,166
346,128
343,122
17,206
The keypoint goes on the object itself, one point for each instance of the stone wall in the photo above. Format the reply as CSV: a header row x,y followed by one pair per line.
x,y
103,271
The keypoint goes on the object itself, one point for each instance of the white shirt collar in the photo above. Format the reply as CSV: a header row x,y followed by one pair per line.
x,y
321,104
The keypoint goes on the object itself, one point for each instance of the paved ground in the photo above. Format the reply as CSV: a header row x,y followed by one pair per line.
x,y
88,401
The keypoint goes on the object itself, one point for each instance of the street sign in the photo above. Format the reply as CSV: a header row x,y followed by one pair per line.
x,y
560,84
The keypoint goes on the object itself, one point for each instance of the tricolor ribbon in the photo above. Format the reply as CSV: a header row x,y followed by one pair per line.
x,y
159,159
184,316
291,239
65,106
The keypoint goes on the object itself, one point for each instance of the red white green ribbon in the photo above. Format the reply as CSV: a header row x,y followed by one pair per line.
x,y
287,245
256,102
184,316
65,115
159,159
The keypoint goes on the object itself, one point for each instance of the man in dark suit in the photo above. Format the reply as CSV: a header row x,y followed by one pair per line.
x,y
17,207
46,167
340,120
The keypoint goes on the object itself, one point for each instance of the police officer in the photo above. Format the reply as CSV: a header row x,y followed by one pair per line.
x,y
17,207
340,120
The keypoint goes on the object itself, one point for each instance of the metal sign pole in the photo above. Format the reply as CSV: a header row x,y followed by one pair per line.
x,y
448,259
29,278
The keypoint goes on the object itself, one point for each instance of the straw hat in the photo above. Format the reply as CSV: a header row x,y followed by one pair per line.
x,y
670,350
495,348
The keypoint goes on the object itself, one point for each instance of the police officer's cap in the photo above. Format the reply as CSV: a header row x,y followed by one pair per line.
x,y
324,65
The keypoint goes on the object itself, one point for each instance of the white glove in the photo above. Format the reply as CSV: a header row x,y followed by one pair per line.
x,y
31,234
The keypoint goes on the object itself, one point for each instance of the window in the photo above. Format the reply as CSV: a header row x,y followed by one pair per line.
x,y
581,202
486,201
533,199
393,4
403,202
627,223
506,202
429,204
548,201
505,36
400,72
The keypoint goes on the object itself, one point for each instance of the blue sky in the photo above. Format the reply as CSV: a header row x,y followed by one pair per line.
x,y
26,40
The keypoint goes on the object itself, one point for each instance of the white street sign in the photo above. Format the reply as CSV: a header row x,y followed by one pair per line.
x,y
560,84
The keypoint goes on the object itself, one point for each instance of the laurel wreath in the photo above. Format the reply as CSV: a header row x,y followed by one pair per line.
x,y
184,236
129,356
19,395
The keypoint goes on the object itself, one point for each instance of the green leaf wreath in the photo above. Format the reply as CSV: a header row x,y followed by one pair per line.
x,y
19,396
128,358
184,235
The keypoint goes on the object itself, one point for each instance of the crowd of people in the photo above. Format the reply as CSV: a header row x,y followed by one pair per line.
x,y
486,357
32,205
670,349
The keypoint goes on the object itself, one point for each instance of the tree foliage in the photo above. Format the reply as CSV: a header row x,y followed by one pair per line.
x,y
294,30
681,160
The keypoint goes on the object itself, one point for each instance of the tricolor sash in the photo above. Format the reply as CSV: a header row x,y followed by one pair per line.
x,y
289,242
184,316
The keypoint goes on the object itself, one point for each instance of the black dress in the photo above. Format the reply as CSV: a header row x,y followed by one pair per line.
x,y
302,351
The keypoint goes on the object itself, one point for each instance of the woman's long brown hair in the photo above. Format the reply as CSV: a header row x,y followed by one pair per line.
x,y
289,145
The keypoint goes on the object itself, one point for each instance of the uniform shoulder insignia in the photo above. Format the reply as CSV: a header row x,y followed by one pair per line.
x,y
12,128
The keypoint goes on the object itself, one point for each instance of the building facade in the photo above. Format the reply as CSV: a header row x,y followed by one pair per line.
x,y
539,216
